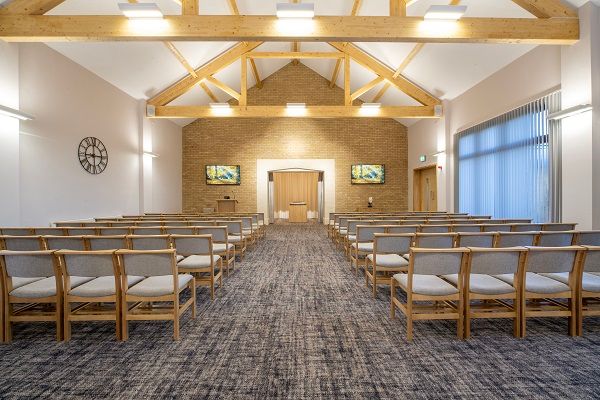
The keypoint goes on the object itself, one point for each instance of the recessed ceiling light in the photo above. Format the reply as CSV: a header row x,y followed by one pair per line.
x,y
11,112
295,10
140,10
445,12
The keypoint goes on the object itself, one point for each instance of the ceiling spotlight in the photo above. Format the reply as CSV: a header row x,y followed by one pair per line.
x,y
140,10
569,112
295,10
11,112
445,12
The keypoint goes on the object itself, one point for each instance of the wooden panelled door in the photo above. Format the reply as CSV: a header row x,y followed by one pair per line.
x,y
425,188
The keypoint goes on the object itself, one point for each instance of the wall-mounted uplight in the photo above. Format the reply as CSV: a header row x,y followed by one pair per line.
x,y
144,18
295,18
439,153
11,112
150,154
445,12
370,108
220,108
569,112
296,109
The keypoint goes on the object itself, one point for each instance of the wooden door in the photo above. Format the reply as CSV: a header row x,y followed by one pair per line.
x,y
425,189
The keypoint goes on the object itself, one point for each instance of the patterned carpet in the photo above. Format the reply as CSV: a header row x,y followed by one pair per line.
x,y
293,322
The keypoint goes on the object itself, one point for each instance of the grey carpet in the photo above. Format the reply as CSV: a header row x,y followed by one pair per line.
x,y
293,322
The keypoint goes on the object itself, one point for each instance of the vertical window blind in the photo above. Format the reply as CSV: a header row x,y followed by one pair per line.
x,y
508,167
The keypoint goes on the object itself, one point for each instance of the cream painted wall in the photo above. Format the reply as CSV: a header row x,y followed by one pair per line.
x,y
70,103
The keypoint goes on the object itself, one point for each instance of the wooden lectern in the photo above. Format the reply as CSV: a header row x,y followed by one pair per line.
x,y
298,212
226,205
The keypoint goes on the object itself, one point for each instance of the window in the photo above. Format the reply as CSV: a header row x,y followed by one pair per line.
x,y
508,166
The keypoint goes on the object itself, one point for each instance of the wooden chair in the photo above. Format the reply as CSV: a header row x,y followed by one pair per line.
x,y
423,284
162,284
462,228
235,236
115,242
113,231
527,227
179,230
221,245
435,240
403,229
490,293
555,239
542,293
199,260
80,231
50,231
20,231
496,227
558,226
386,258
474,239
65,242
435,228
31,281
98,299
22,243
588,238
363,245
515,239
248,230
147,230
349,236
588,302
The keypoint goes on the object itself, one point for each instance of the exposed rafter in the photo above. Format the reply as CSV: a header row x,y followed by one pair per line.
x,y
208,69
31,7
359,92
254,70
547,8
336,70
189,7
225,88
47,28
243,81
398,8
295,54
282,111
295,46
347,94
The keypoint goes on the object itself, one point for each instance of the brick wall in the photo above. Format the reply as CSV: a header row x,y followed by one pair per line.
x,y
347,140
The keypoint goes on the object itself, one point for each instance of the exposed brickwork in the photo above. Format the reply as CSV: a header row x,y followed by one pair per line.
x,y
244,140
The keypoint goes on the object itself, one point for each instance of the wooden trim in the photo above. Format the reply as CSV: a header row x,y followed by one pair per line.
x,y
547,8
47,28
31,7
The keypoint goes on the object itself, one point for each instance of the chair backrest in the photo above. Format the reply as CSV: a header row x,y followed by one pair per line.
x,y
77,231
555,239
246,223
403,229
112,231
16,231
219,233
352,225
439,222
386,243
29,264
365,233
527,227
435,228
466,228
22,243
496,227
188,245
588,238
65,242
515,239
88,263
517,221
107,242
234,228
49,231
179,230
147,262
552,259
592,259
558,227
435,240
437,261
147,230
153,223
149,242
475,239
496,261
171,223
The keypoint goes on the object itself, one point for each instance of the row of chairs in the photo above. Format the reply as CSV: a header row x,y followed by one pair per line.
x,y
119,286
517,283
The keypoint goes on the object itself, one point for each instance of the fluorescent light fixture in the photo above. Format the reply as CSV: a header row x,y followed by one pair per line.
x,y
150,154
370,106
11,112
295,10
568,112
445,12
140,10
219,106
296,106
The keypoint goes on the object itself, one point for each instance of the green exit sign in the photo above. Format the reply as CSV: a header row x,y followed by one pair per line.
x,y
423,158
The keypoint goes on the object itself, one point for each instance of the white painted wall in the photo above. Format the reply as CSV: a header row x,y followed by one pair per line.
x,y
70,103
263,166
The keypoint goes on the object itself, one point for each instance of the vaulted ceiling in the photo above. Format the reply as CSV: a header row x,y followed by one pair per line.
x,y
141,69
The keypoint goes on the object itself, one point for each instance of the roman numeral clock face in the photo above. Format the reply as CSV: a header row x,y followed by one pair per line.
x,y
93,156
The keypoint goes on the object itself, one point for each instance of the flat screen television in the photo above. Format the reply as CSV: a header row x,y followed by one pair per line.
x,y
362,174
223,175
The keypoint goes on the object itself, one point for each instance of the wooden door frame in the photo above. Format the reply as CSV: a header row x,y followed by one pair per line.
x,y
417,185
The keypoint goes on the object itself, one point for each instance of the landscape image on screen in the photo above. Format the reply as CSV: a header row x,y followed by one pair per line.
x,y
223,175
368,173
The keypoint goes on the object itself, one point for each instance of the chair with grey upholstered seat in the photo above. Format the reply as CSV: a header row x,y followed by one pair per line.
x,y
555,239
114,242
16,231
113,230
220,243
363,245
22,243
65,242
588,303
80,231
475,239
460,228
558,226
386,258
147,230
50,231
588,238
235,236
162,284
515,239
428,228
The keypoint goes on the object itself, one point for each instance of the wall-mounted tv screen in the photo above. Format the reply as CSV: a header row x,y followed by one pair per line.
x,y
368,174
223,175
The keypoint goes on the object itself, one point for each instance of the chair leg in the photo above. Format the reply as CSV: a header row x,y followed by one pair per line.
x,y
212,287
7,324
118,324
460,323
467,320
67,321
572,318
374,281
176,322
59,320
193,290
392,297
409,321
124,322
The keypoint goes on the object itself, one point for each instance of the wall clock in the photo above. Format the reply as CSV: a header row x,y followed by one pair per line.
x,y
93,156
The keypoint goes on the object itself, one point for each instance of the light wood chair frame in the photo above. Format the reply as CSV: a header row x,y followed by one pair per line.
x,y
375,277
